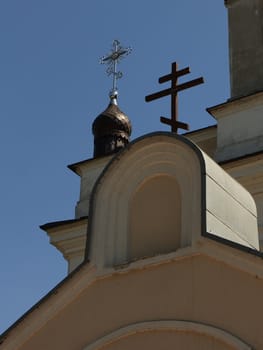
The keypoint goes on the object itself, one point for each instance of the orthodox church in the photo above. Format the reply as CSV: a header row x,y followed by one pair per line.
x,y
165,248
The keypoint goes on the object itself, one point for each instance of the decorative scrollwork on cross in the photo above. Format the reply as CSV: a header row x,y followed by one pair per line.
x,y
112,59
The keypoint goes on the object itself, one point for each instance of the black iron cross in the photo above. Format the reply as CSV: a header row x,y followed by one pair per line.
x,y
173,76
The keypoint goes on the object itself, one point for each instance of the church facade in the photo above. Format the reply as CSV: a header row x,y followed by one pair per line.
x,y
165,250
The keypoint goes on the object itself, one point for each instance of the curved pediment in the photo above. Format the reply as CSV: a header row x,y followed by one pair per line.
x,y
168,334
160,194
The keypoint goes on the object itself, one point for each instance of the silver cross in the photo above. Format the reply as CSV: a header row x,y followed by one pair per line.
x,y
112,59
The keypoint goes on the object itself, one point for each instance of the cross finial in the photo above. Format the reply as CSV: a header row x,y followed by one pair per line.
x,y
112,59
173,76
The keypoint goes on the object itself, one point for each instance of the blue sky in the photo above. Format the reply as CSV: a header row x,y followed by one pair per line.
x,y
51,89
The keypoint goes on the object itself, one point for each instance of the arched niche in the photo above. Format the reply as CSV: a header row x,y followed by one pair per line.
x,y
155,217
165,165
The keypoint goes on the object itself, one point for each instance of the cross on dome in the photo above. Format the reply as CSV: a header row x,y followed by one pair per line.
x,y
112,59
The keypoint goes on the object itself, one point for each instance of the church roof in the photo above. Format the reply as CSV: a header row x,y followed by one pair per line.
x,y
67,292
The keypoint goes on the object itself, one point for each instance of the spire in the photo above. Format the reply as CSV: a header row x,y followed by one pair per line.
x,y
112,128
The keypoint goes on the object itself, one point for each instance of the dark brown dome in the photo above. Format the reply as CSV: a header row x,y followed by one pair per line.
x,y
111,130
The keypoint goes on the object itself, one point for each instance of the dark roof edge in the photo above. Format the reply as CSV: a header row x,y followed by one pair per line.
x,y
61,223
73,167
234,245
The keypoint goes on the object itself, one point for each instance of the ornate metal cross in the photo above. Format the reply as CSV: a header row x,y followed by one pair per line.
x,y
173,76
112,59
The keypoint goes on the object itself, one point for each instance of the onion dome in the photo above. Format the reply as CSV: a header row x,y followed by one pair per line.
x,y
111,130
